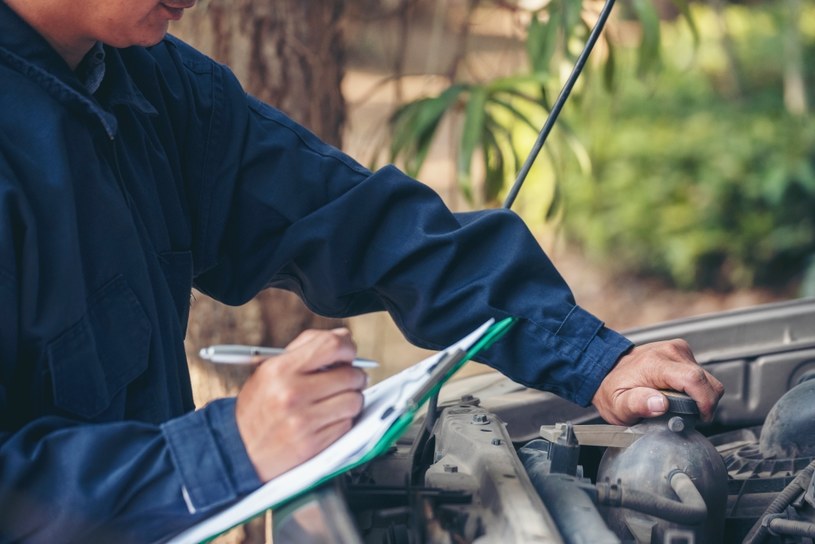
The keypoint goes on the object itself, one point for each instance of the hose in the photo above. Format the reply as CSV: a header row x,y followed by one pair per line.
x,y
573,511
797,486
567,499
788,527
690,509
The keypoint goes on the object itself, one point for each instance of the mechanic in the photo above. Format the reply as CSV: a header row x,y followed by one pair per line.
x,y
134,170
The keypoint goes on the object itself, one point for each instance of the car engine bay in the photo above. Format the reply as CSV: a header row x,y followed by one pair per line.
x,y
493,461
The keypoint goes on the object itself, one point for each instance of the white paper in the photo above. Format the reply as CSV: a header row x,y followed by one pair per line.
x,y
394,392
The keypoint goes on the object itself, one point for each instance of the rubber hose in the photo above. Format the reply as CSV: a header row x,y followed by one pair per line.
x,y
788,527
780,503
567,499
573,511
690,509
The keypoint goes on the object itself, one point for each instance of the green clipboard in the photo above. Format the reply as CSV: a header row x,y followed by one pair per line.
x,y
448,364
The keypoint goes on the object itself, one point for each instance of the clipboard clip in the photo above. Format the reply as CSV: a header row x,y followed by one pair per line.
x,y
446,363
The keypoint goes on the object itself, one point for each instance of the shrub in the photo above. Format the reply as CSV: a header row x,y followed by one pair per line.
x,y
691,181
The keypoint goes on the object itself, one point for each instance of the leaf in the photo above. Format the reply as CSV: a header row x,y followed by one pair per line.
x,y
471,137
649,47
556,204
515,83
506,132
415,125
610,66
494,173
577,148
516,113
541,41
684,8
570,19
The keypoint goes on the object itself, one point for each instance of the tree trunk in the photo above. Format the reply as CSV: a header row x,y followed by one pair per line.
x,y
288,53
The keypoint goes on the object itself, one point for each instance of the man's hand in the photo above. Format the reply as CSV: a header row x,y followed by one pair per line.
x,y
630,391
296,404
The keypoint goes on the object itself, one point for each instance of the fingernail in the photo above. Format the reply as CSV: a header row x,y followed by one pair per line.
x,y
656,403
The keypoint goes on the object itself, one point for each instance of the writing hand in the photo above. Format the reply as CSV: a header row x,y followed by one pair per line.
x,y
296,404
631,390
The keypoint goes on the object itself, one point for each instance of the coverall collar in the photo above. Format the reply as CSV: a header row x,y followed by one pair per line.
x,y
26,51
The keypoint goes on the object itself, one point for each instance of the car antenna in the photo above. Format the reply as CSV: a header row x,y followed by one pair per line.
x,y
559,102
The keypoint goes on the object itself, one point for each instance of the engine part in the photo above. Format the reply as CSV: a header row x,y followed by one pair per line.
x,y
796,488
788,433
763,462
690,509
566,495
789,429
667,456
473,452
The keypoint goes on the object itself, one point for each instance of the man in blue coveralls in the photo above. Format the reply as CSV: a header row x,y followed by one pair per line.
x,y
132,168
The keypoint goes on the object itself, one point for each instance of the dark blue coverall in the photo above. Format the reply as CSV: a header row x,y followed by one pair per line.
x,y
119,193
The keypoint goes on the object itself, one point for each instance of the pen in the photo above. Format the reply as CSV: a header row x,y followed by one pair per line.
x,y
236,354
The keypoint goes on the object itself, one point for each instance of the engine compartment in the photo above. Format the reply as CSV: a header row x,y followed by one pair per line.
x,y
492,461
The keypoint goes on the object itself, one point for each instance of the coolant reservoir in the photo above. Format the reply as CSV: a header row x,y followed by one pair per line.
x,y
665,445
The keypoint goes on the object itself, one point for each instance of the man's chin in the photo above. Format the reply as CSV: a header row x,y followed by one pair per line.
x,y
146,39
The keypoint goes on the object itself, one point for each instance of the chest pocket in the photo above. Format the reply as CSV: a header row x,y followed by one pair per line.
x,y
93,361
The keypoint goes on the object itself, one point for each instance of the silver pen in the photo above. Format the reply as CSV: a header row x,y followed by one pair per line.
x,y
237,354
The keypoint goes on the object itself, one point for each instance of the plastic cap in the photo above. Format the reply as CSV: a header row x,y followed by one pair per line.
x,y
680,403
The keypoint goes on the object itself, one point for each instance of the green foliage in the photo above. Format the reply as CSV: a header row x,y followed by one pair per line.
x,y
698,173
692,185
490,112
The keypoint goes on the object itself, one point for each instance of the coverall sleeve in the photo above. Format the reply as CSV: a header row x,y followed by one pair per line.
x,y
284,209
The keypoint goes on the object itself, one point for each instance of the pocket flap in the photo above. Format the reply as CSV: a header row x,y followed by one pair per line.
x,y
97,357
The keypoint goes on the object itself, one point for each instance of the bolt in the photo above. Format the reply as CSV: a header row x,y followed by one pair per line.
x,y
480,419
450,468
676,424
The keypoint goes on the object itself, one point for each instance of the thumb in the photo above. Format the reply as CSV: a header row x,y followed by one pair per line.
x,y
638,403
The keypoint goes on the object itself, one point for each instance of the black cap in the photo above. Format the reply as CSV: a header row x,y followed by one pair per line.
x,y
680,403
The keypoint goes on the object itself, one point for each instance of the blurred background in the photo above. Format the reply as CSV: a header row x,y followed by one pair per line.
x,y
678,181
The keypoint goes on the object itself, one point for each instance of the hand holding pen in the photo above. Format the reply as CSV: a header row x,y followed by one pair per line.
x,y
298,402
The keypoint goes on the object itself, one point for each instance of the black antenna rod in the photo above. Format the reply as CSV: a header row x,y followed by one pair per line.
x,y
561,100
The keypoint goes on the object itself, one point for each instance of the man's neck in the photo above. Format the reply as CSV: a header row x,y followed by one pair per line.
x,y
47,21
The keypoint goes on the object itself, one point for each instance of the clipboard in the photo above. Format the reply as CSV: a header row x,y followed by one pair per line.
x,y
390,408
